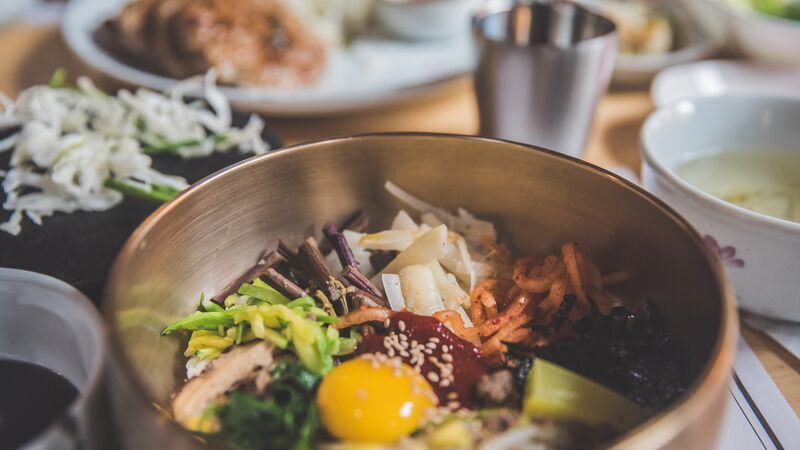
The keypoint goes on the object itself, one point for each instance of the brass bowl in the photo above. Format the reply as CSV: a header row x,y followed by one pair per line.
x,y
213,232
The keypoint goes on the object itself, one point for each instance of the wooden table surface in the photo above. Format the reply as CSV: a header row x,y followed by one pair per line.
x,y
30,54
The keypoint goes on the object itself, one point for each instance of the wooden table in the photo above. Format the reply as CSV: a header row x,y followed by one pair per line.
x,y
31,53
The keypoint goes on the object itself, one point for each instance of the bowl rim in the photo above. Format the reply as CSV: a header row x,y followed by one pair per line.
x,y
650,158
656,431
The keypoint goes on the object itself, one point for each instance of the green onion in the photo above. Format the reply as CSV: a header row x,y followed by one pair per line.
x,y
209,305
202,321
59,79
302,302
265,294
157,193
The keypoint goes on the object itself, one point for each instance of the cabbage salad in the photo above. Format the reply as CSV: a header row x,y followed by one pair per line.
x,y
76,148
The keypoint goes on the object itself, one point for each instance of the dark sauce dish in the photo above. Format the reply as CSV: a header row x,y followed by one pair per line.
x,y
538,199
52,366
31,398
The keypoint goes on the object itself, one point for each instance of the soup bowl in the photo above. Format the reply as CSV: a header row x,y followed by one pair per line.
x,y
213,232
761,253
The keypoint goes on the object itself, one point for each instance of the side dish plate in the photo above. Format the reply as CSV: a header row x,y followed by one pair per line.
x,y
372,71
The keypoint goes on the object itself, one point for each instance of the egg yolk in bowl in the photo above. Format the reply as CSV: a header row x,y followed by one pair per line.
x,y
369,400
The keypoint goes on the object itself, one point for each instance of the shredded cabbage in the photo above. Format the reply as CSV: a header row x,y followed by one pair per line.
x,y
78,148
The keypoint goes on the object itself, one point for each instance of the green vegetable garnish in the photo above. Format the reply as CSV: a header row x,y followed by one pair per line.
x,y
58,79
264,293
557,393
286,418
298,325
208,305
210,321
786,9
157,193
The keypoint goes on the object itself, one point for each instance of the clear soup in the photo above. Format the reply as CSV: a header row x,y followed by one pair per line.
x,y
766,182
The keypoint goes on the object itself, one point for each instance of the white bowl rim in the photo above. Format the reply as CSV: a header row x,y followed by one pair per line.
x,y
651,159
662,100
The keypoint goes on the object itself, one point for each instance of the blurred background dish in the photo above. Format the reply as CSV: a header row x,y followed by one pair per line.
x,y
337,67
757,139
719,77
13,8
763,30
425,19
653,36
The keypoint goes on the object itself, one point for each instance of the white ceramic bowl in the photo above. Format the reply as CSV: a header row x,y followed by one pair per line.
x,y
425,19
758,36
722,77
761,253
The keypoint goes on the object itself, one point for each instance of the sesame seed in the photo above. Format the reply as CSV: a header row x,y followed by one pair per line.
x,y
434,339
386,323
447,357
433,377
445,382
453,405
401,326
452,396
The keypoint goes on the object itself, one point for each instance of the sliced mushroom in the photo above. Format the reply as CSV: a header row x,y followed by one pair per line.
x,y
222,375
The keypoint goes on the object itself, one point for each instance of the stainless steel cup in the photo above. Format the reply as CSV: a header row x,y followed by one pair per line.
x,y
541,69
48,322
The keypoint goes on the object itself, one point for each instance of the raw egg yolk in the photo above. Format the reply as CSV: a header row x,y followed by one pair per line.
x,y
364,400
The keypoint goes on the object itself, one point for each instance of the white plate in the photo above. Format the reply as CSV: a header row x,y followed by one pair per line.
x,y
373,71
712,78
10,9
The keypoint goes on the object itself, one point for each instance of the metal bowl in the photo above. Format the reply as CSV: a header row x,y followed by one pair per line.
x,y
216,230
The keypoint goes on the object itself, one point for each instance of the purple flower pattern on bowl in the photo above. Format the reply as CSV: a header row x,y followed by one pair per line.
x,y
726,254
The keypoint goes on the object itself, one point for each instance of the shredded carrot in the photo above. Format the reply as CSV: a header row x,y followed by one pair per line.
x,y
590,271
537,279
571,262
457,323
556,295
507,316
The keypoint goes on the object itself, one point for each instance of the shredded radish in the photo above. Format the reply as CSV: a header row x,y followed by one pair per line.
x,y
73,142
394,293
465,317
474,230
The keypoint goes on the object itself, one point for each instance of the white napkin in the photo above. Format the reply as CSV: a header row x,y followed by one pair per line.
x,y
757,416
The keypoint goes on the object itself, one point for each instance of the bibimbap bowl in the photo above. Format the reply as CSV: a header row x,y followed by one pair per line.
x,y
537,199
